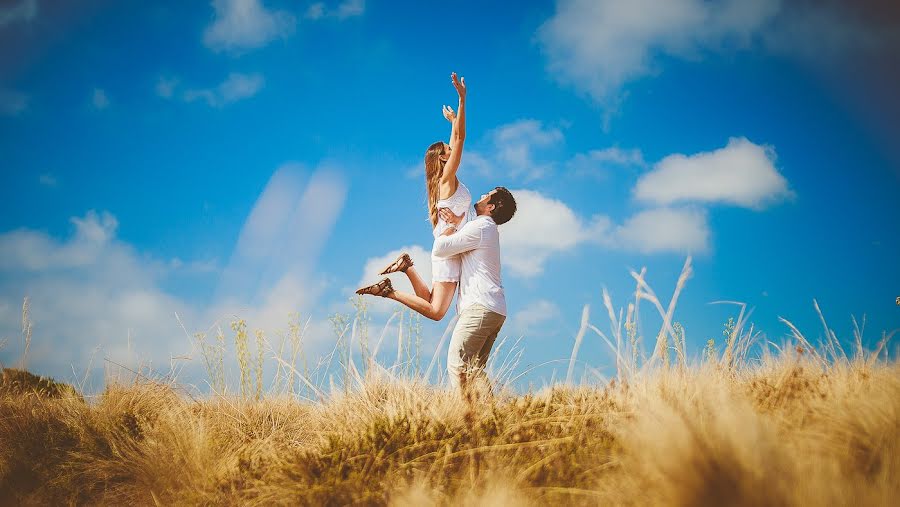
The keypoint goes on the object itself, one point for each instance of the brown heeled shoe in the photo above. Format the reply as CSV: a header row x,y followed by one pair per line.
x,y
402,263
382,288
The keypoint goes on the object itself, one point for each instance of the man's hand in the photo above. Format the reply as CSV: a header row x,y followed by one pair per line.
x,y
449,230
450,218
449,114
459,84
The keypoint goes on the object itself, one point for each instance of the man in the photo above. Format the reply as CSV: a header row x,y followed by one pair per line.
x,y
481,303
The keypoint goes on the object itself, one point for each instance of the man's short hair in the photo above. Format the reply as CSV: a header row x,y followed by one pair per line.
x,y
504,205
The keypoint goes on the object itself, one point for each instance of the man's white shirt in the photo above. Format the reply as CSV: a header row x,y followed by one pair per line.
x,y
479,241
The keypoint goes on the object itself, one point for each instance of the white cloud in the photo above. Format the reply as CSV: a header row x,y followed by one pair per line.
x,y
26,10
165,87
515,145
421,258
535,314
542,227
99,99
664,230
30,251
48,180
87,290
599,45
236,87
742,173
597,162
93,289
12,103
242,25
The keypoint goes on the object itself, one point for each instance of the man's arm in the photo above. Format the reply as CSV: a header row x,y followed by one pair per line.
x,y
466,239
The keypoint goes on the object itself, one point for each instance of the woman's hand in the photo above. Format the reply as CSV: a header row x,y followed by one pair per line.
x,y
450,218
449,114
460,84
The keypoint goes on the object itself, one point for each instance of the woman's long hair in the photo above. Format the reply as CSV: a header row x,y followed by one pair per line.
x,y
434,168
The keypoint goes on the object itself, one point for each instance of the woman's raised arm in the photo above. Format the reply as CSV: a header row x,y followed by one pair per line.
x,y
458,132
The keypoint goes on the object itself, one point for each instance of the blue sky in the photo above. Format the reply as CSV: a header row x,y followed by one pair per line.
x,y
260,158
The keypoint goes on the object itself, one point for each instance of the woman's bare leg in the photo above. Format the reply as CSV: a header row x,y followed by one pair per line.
x,y
441,297
422,290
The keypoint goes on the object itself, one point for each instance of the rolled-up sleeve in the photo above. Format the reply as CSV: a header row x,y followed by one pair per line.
x,y
463,240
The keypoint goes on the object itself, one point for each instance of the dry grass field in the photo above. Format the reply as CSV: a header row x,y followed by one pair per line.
x,y
800,426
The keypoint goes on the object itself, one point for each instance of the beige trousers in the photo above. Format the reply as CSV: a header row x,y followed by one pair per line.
x,y
474,335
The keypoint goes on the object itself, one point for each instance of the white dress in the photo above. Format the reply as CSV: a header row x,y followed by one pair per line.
x,y
447,269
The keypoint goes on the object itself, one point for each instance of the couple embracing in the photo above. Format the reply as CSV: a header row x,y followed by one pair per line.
x,y
465,256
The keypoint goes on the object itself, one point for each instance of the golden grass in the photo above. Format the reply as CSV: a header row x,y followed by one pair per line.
x,y
787,432
803,426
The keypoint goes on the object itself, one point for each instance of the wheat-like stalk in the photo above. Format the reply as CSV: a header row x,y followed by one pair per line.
x,y
258,367
243,354
26,330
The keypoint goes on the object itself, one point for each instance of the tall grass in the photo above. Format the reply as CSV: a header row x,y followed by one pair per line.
x,y
744,423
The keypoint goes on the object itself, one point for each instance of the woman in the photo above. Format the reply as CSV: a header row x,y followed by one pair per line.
x,y
449,205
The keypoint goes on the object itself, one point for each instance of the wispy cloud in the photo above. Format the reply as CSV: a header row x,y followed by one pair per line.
x,y
533,316
315,11
281,240
516,144
48,180
520,150
597,163
527,150
242,25
26,10
742,174
235,87
165,87
344,10
99,99
351,8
